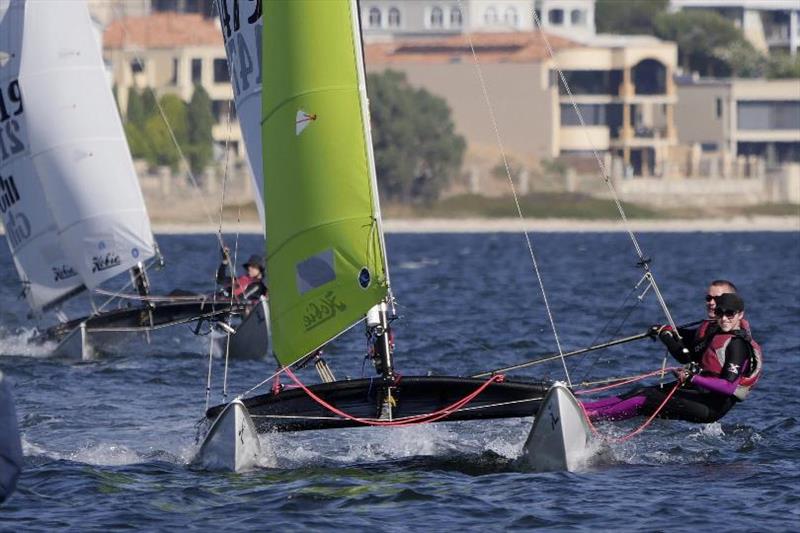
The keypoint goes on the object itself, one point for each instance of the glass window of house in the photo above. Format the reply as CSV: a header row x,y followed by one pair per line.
x,y
221,74
490,15
556,16
456,19
577,17
437,17
374,17
137,65
511,18
173,80
394,17
197,70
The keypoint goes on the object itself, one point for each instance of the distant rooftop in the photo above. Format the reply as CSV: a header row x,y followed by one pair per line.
x,y
519,47
163,30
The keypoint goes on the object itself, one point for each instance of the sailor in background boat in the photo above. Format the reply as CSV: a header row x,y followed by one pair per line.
x,y
248,286
722,365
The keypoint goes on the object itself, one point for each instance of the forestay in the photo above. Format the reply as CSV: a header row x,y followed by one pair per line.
x,y
77,143
242,27
325,260
46,274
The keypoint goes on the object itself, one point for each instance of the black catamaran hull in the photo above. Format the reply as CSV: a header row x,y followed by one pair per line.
x,y
84,337
294,410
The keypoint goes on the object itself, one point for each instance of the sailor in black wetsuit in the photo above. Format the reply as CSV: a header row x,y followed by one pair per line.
x,y
724,363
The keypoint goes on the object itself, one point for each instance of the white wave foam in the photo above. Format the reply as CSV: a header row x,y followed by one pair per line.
x,y
416,265
708,430
17,343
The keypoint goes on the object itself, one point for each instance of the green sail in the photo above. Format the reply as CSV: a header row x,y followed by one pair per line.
x,y
325,259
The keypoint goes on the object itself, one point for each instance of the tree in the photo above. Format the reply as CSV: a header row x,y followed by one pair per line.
x,y
702,37
783,65
137,142
626,17
200,148
149,102
417,151
135,113
162,149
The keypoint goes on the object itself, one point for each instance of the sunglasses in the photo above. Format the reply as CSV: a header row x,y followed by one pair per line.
x,y
709,297
730,313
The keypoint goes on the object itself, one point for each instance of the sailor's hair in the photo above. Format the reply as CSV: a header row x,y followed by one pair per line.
x,y
724,283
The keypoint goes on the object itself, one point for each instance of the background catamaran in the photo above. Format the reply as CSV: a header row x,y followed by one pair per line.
x,y
72,208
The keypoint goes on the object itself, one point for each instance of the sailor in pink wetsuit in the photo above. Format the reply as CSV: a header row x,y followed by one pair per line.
x,y
723,364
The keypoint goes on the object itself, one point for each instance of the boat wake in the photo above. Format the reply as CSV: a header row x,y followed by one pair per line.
x,y
17,343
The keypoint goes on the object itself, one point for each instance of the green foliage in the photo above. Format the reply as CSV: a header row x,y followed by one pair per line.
x,y
162,150
627,17
149,101
136,113
137,142
704,38
417,151
514,168
781,66
200,148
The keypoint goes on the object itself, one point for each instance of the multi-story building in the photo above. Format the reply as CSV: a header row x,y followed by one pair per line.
x,y
742,117
770,25
171,53
573,19
403,19
622,87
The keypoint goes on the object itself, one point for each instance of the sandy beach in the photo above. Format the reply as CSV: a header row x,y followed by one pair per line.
x,y
509,225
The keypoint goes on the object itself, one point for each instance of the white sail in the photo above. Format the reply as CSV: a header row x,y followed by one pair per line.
x,y
31,232
242,26
77,143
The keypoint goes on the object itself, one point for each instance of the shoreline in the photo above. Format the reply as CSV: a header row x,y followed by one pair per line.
x,y
548,225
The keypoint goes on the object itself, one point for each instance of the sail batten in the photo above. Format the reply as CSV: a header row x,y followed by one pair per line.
x,y
325,259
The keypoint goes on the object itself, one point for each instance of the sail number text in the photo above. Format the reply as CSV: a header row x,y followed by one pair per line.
x,y
241,28
10,107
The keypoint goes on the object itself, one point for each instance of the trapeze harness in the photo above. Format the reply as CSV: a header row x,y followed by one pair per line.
x,y
246,287
730,366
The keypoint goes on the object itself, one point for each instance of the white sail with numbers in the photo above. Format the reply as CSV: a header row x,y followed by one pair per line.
x,y
77,143
31,231
242,25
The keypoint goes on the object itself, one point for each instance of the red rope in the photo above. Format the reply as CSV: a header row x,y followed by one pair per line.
x,y
627,381
640,428
404,421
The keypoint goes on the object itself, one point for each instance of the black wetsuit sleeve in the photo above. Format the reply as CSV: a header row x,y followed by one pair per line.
x,y
736,354
689,337
222,273
675,348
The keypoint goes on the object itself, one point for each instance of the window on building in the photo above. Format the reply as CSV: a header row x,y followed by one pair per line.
x,y
437,17
555,17
537,15
719,107
374,17
221,108
592,82
221,74
197,70
490,15
456,18
175,67
577,17
768,115
510,17
394,17
137,65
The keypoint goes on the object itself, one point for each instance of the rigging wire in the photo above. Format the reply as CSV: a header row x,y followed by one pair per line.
x,y
181,155
643,260
528,240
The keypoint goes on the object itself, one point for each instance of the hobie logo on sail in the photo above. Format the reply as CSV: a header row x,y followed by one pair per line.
x,y
322,310
105,261
302,121
63,272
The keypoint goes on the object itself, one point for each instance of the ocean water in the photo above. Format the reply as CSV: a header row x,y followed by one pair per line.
x,y
108,443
